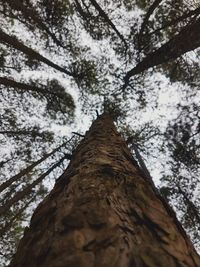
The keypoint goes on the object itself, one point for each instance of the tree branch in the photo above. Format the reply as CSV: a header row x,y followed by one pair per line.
x,y
21,194
7,183
107,19
186,40
14,42
150,11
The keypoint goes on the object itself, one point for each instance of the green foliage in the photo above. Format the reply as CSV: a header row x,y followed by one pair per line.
x,y
61,103
182,70
54,12
142,3
2,57
87,79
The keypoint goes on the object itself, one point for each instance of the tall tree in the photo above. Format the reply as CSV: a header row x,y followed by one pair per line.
x,y
103,211
27,15
186,40
14,42
54,51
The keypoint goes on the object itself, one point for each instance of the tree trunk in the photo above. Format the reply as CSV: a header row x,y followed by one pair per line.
x,y
25,171
8,82
12,40
186,40
31,15
104,212
150,11
108,21
28,189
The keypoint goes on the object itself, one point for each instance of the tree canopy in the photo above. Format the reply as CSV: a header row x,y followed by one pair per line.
x,y
63,61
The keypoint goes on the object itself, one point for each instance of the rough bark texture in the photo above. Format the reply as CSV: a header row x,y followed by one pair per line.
x,y
103,212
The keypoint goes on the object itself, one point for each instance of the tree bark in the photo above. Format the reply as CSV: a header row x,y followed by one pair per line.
x,y
104,212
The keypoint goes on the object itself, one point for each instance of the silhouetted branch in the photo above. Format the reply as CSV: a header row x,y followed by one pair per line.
x,y
107,19
186,40
14,42
21,194
28,87
150,11
7,183
80,135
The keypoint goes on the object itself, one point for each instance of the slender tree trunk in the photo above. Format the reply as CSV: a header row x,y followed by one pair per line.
x,y
108,21
27,87
25,171
27,190
104,212
51,95
186,40
18,45
31,15
150,11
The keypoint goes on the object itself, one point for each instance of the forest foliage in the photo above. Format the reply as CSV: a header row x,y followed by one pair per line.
x,y
64,60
